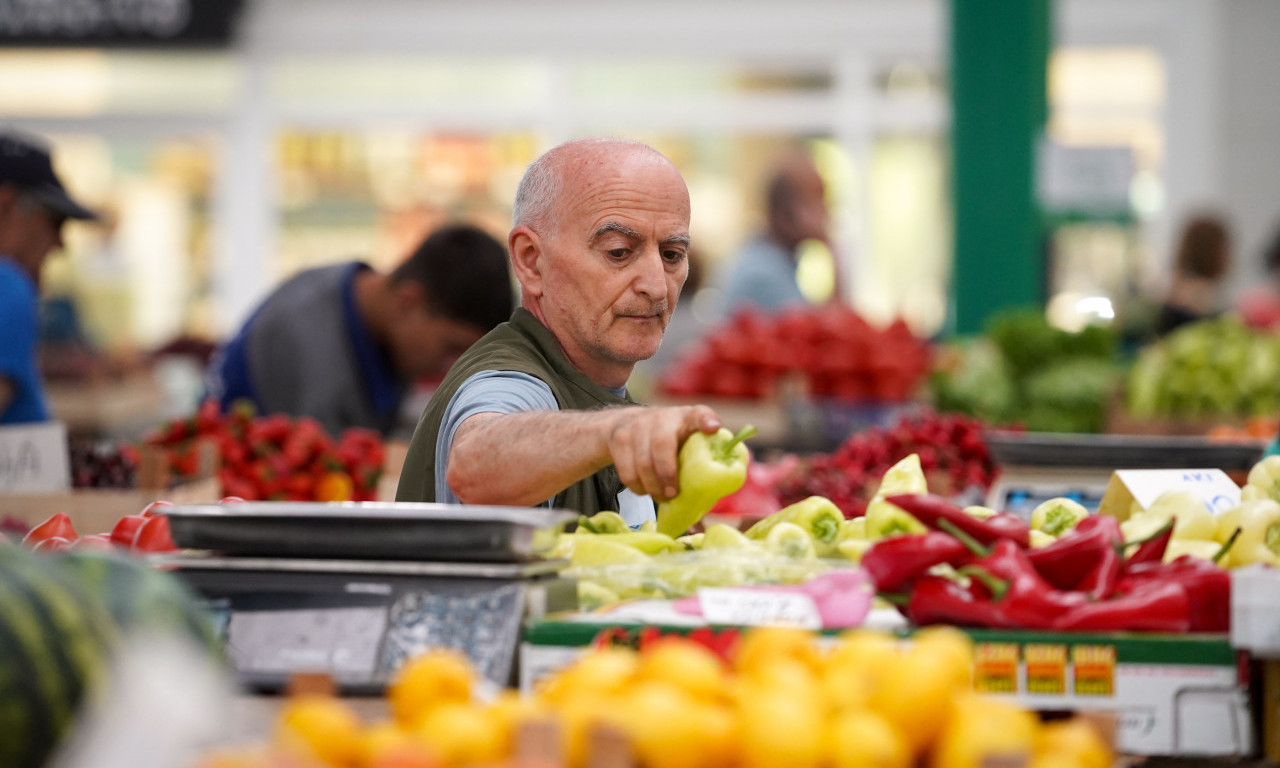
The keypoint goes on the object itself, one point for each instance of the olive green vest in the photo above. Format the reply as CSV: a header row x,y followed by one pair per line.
x,y
525,345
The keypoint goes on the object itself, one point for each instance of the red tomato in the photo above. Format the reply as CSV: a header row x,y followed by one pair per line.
x,y
52,544
154,536
153,509
126,529
57,526
99,541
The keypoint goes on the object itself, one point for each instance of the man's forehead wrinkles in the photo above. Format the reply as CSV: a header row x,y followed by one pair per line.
x,y
614,226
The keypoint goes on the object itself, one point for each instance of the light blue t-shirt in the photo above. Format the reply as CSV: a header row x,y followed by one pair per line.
x,y
20,318
763,275
511,392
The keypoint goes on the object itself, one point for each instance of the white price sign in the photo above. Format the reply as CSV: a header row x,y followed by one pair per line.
x,y
754,608
33,458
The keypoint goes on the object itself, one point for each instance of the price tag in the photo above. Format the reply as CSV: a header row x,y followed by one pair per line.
x,y
754,608
33,458
1218,491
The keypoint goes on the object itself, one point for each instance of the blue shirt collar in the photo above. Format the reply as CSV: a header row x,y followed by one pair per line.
x,y
381,383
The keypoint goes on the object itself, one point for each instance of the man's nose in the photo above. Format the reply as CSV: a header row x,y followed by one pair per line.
x,y
651,277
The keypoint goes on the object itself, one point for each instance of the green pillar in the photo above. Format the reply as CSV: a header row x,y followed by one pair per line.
x,y
999,58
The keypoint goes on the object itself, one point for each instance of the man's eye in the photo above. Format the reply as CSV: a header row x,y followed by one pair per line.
x,y
673,256
619,253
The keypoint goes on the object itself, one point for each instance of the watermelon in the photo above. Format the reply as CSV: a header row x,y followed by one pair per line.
x,y
55,641
140,597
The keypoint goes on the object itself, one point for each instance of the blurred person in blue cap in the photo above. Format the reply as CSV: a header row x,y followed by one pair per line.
x,y
33,207
343,343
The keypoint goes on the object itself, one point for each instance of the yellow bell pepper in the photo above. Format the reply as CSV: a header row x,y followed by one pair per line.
x,y
711,467
1259,525
885,519
1057,516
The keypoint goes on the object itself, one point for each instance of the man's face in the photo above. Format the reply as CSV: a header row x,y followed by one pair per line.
x,y
611,272
424,344
28,231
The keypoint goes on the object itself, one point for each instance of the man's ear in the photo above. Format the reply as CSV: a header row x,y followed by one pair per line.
x,y
407,295
526,259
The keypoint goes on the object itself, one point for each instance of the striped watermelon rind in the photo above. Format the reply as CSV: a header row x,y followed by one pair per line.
x,y
55,641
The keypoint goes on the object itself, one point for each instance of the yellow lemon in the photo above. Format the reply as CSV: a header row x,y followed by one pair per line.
x,y
846,688
436,677
954,645
460,734
915,694
864,652
667,725
781,730
322,726
764,646
982,728
689,665
1076,740
603,670
866,740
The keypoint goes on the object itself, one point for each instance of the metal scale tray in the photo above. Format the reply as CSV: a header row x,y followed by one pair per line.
x,y
365,531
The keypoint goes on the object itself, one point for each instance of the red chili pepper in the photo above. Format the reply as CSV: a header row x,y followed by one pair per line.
x,y
1208,589
1157,606
929,509
1100,582
1068,561
1020,593
935,600
894,562
1152,548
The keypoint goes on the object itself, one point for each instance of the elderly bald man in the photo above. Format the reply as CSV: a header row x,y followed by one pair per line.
x,y
537,411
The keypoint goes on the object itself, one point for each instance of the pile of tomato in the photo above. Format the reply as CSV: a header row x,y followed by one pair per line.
x,y
838,354
275,457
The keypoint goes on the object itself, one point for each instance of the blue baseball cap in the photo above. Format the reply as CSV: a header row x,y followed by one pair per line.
x,y
25,162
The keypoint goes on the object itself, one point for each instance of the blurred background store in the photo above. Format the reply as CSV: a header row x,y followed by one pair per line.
x,y
234,143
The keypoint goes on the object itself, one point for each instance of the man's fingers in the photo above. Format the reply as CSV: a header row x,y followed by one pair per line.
x,y
665,458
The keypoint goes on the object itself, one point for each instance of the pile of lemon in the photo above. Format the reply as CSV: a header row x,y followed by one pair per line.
x,y
865,700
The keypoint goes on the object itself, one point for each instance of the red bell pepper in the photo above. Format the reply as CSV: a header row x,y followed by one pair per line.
x,y
1020,593
930,509
1208,589
1156,606
894,562
935,600
1070,560
1100,582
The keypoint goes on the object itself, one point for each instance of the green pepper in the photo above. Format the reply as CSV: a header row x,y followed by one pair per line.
x,y
603,522
711,467
721,536
691,540
885,519
790,540
817,515
1057,516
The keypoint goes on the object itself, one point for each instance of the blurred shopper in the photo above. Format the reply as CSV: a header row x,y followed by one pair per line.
x,y
343,343
763,272
1260,305
33,207
1202,261
537,413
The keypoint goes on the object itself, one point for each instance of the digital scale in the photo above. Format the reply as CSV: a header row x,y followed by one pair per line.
x,y
1037,466
354,590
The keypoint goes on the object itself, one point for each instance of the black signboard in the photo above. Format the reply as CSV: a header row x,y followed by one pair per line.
x,y
118,23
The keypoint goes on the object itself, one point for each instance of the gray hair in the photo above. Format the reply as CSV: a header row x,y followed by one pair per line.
x,y
539,190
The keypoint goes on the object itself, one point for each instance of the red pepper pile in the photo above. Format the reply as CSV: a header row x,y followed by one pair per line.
x,y
839,354
1083,581
276,457
951,448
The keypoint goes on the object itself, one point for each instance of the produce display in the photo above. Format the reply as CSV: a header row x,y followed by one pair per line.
x,y
276,457
837,353
1210,369
779,699
61,616
147,531
951,449
982,570
1025,371
103,464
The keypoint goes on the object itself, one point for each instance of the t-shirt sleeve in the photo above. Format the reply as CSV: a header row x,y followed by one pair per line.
x,y
17,348
487,392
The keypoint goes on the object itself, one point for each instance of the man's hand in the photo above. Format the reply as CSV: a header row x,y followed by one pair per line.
x,y
645,445
521,459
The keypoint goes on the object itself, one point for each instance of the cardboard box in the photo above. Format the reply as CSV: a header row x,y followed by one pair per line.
x,y
1142,486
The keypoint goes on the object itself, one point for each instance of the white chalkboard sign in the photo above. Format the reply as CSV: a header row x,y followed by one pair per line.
x,y
34,459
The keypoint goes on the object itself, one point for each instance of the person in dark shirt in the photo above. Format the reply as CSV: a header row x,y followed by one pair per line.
x,y
1203,258
343,343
